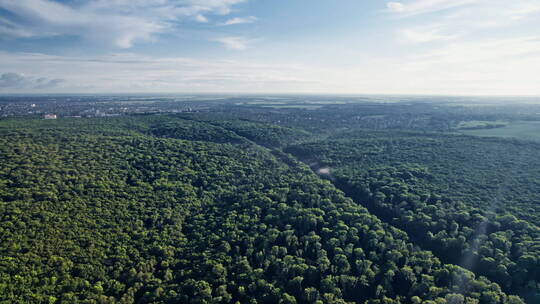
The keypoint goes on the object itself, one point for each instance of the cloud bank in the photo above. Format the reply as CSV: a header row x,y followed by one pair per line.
x,y
120,23
457,47
493,67
15,81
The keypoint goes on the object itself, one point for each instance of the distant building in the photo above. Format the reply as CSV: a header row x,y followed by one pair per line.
x,y
49,116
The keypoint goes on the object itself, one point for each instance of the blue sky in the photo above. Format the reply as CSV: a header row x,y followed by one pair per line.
x,y
447,47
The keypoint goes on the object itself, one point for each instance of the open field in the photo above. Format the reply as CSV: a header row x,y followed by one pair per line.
x,y
479,124
529,130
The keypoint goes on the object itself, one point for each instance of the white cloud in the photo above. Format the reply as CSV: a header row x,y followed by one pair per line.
x,y
487,67
233,43
492,52
240,20
466,15
11,81
493,67
10,29
462,47
524,9
426,6
395,6
138,73
489,47
201,18
118,22
426,34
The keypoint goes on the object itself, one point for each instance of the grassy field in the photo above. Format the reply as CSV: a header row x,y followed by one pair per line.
x,y
478,124
295,106
529,130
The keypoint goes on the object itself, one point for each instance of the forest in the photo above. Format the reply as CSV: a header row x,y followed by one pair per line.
x,y
226,206
471,201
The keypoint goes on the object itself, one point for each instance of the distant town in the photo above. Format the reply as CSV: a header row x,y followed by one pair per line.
x,y
91,106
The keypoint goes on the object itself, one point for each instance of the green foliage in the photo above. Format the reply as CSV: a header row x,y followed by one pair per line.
x,y
265,134
472,201
193,130
155,209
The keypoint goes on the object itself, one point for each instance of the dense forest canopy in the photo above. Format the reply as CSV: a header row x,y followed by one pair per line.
x,y
442,190
220,205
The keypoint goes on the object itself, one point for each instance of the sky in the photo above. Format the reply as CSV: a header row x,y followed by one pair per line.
x,y
424,47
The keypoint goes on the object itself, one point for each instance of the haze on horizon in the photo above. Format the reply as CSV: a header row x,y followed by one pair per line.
x,y
442,47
